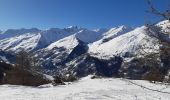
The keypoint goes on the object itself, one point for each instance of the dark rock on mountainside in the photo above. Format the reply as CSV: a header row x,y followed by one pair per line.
x,y
7,56
135,69
150,67
86,64
77,62
54,62
80,49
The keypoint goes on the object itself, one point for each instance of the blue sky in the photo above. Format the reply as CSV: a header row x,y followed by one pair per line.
x,y
91,14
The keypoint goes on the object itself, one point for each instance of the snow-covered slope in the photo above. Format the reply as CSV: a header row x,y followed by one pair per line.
x,y
115,32
129,42
58,53
95,35
165,25
53,35
65,50
165,28
27,41
68,43
32,41
76,44
16,32
89,89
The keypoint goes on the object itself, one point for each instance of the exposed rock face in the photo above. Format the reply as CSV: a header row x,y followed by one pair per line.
x,y
150,67
86,64
135,69
7,56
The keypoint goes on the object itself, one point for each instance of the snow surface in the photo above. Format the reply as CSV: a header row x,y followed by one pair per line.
x,y
58,50
16,32
89,89
68,43
27,41
129,42
165,25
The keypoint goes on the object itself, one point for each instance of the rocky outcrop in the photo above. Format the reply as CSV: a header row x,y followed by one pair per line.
x,y
86,64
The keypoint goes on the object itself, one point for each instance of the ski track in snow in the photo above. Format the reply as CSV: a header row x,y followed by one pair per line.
x,y
89,89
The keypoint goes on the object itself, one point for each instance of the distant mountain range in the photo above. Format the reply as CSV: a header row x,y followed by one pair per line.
x,y
79,50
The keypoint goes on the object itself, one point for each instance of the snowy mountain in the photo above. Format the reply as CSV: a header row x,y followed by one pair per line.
x,y
16,32
79,50
121,43
61,54
32,40
58,51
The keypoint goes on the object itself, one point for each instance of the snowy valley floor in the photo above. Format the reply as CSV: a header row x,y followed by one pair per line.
x,y
89,89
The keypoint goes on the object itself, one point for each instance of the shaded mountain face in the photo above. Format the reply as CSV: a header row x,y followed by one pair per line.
x,y
85,64
7,57
56,55
81,51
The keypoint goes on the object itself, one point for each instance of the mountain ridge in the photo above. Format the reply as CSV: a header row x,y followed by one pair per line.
x,y
81,51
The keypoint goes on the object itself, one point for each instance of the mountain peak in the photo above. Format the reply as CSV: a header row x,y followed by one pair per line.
x,y
22,30
73,27
101,30
123,27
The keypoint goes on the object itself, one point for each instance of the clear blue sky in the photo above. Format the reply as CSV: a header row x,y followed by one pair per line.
x,y
86,13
